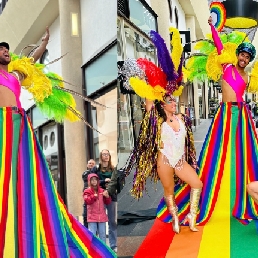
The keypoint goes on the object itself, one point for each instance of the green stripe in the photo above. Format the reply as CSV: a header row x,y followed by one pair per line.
x,y
243,239
16,133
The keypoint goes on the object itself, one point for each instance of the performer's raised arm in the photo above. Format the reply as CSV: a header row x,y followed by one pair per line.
x,y
215,36
42,47
149,104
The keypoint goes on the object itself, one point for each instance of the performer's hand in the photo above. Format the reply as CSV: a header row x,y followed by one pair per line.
x,y
210,20
46,37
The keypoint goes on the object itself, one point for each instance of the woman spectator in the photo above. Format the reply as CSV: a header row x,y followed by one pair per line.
x,y
105,171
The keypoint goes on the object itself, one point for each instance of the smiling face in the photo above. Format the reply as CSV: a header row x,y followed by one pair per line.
x,y
243,59
90,164
4,56
170,104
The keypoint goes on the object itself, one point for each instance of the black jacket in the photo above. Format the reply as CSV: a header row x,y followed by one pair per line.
x,y
85,176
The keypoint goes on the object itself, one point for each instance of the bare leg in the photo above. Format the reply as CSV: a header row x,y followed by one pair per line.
x,y
166,175
252,190
188,175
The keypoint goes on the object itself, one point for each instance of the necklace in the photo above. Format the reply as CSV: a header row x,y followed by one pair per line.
x,y
171,120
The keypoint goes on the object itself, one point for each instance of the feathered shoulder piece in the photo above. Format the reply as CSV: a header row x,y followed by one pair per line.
x,y
253,83
48,91
206,63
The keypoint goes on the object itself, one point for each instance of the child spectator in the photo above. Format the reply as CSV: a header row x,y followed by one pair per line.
x,y
96,198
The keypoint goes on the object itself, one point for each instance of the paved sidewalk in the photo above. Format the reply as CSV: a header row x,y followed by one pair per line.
x,y
131,235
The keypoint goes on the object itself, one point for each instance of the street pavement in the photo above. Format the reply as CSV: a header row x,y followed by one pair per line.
x,y
135,218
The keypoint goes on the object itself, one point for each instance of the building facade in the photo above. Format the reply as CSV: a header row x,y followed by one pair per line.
x,y
85,32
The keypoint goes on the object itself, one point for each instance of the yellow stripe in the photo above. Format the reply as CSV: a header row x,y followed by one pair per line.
x,y
216,234
44,241
9,249
66,218
2,173
35,192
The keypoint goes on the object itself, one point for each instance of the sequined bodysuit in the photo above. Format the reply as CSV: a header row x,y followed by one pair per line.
x,y
173,144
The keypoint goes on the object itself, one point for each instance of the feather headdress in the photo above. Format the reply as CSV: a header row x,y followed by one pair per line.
x,y
148,80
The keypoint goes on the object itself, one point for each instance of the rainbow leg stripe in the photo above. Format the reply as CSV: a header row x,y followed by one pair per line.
x,y
212,161
34,222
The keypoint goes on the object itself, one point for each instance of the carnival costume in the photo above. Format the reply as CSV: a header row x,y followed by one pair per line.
x,y
231,135
34,222
153,83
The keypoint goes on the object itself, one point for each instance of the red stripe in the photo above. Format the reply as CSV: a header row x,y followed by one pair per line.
x,y
7,176
159,245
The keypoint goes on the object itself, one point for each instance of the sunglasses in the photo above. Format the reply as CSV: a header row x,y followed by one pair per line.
x,y
169,99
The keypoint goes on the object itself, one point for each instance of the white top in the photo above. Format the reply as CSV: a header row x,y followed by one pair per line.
x,y
173,142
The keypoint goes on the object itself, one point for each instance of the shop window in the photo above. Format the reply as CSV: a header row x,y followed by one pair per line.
x,y
142,15
135,43
38,118
102,71
104,119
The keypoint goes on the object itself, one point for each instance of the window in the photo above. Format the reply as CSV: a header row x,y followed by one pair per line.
x,y
102,71
105,121
136,44
2,5
170,11
38,118
45,60
123,7
176,17
142,15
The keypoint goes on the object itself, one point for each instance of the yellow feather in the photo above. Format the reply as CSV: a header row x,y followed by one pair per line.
x,y
144,90
177,47
36,82
178,92
253,83
215,61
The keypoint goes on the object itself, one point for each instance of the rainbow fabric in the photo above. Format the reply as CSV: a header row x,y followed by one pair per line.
x,y
230,122
219,10
34,222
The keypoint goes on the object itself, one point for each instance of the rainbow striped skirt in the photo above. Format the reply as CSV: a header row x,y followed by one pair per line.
x,y
34,221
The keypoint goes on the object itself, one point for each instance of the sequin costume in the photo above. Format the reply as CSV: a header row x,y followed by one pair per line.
x,y
173,144
143,158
